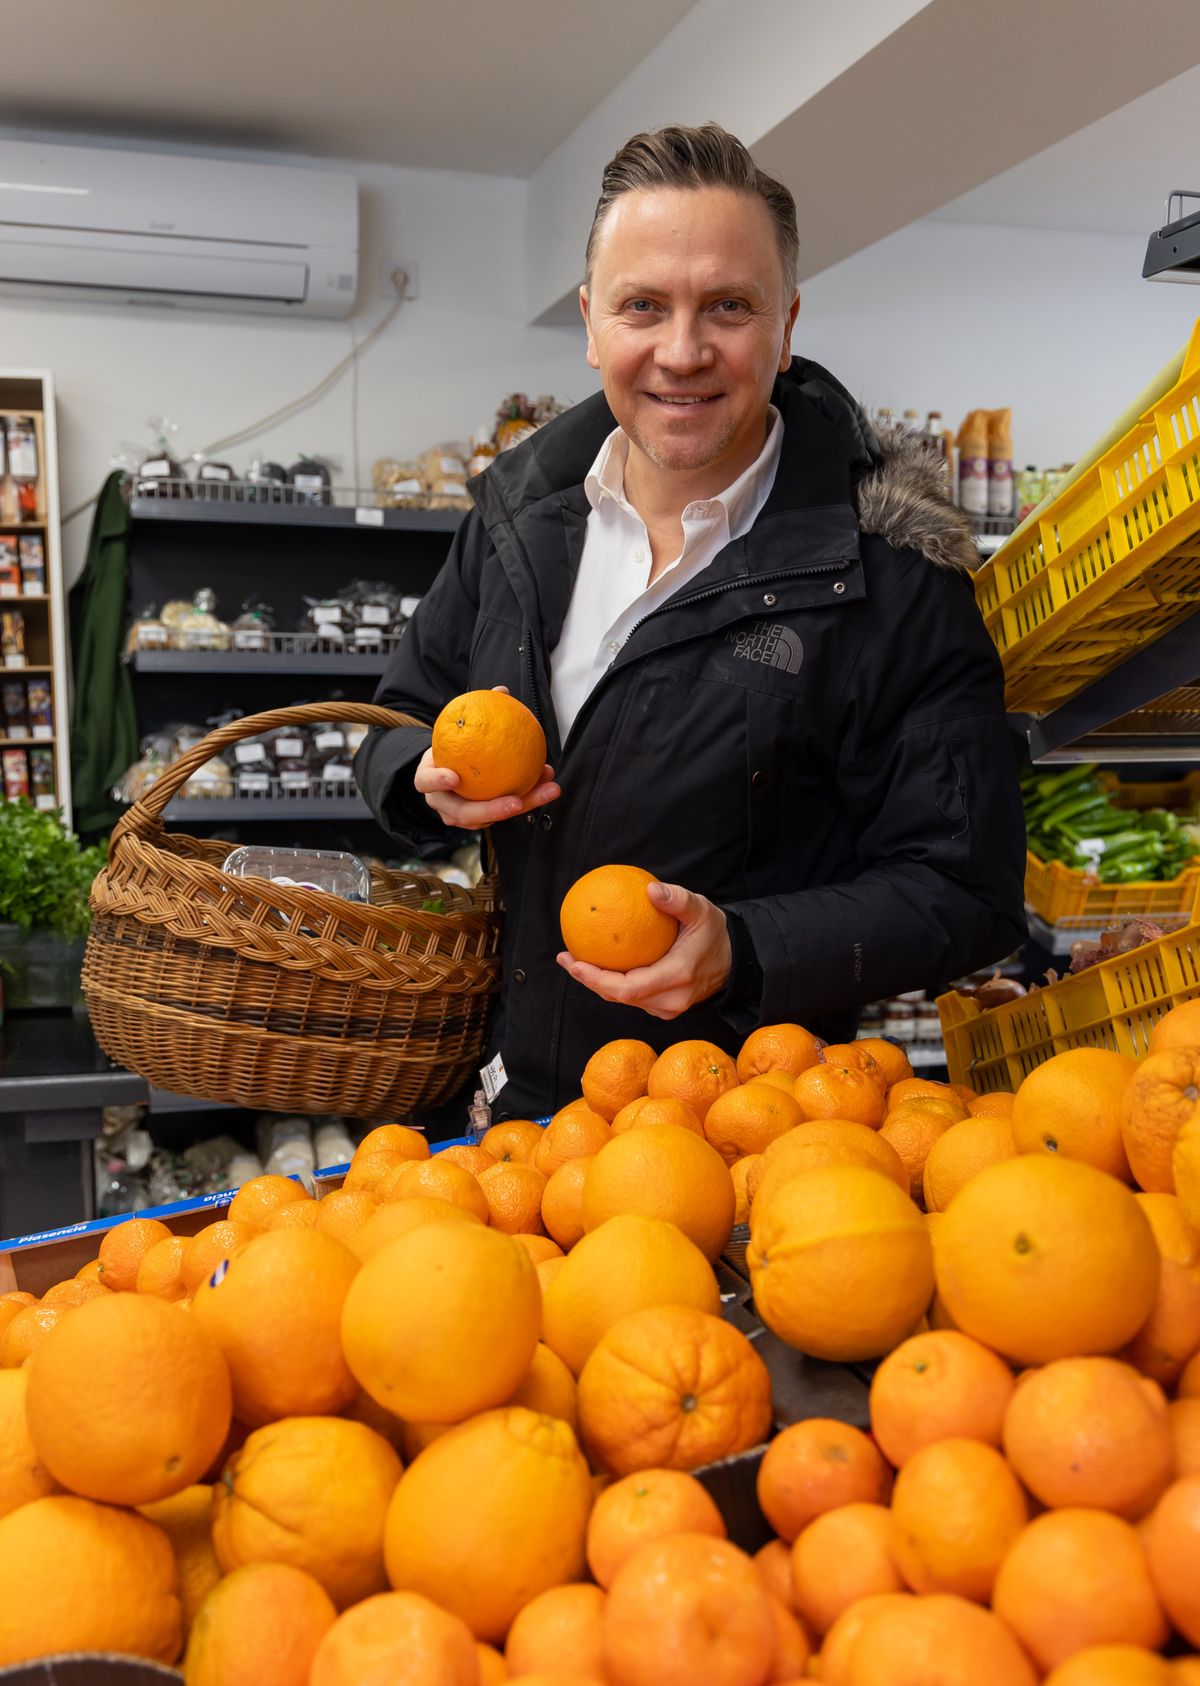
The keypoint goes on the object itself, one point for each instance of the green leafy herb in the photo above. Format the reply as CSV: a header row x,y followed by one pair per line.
x,y
433,904
45,874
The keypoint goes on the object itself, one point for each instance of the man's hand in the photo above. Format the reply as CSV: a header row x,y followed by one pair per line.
x,y
438,785
694,967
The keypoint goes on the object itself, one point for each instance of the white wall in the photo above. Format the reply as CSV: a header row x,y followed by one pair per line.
x,y
438,372
959,316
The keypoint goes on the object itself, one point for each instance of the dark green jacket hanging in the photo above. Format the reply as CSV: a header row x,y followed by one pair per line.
x,y
104,734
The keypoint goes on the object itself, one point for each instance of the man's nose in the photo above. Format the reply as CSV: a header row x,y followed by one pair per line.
x,y
683,345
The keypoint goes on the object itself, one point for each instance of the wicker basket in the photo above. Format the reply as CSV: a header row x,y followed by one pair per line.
x,y
242,990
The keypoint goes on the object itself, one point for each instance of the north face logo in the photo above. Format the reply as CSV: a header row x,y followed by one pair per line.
x,y
770,645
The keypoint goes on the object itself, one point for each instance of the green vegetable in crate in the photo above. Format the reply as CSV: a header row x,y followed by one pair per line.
x,y
1071,818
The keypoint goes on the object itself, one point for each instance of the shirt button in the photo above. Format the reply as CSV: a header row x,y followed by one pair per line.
x,y
547,822
519,975
639,556
614,649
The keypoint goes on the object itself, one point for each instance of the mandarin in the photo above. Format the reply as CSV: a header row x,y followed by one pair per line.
x,y
302,1214
670,1387
274,1311
912,1131
1172,1540
1171,1333
516,1138
840,1262
161,1270
477,1160
123,1249
792,1644
892,1060
776,1079
778,1047
1114,1665
539,1247
90,1272
262,1624
665,1110
960,1153
257,1201
936,1386
393,1632
997,1103
442,1322
1073,1105
437,1180
343,1213
855,1057
624,1265
662,1171
562,1628
368,1172
941,1640
833,1661
575,1133
72,1293
1185,1170
514,1197
813,1153
840,1557
841,1131
616,1074
521,1532
647,1505
741,1172
815,1466
313,1492
23,1475
774,1563
80,1576
608,920
688,1608
397,1217
186,1519
127,1401
919,1089
399,1139
562,1201
839,1091
492,741
26,1331
1179,1027
747,1119
208,1247
548,1387
1042,1257
957,1508
694,1072
1163,1095
1076,1578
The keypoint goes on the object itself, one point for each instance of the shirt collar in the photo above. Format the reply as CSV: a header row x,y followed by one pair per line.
x,y
606,477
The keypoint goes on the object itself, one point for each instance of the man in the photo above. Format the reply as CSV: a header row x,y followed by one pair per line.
x,y
747,631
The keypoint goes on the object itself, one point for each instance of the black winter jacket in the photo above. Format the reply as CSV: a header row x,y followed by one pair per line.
x,y
811,734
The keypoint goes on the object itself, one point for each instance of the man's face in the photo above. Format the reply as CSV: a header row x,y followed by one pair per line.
x,y
687,303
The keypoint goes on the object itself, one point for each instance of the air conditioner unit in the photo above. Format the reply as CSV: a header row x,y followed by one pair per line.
x,y
146,228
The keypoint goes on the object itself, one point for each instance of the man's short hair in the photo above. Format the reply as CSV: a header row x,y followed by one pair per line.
x,y
709,156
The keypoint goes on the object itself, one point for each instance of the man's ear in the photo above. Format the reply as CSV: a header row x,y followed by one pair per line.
x,y
785,353
593,359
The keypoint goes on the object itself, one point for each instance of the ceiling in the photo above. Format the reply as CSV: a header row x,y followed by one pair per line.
x,y
480,85
1111,177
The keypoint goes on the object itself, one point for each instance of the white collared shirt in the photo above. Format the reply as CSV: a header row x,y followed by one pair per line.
x,y
611,592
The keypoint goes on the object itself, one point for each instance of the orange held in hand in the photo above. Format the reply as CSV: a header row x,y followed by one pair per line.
x,y
608,920
493,742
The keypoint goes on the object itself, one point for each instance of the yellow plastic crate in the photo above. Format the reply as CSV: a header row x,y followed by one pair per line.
x,y
1115,1004
1180,795
1110,565
1071,900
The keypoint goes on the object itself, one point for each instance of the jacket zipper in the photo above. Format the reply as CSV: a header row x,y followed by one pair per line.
x,y
530,676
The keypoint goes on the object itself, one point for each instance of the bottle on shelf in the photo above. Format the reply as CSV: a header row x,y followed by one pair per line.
x,y
1000,466
911,421
883,419
973,463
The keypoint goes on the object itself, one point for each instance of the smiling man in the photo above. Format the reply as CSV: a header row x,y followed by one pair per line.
x,y
748,630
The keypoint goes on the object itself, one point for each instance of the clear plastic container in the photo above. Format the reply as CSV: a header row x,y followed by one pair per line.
x,y
331,870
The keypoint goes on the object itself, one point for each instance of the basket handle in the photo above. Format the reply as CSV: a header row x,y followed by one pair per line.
x,y
145,813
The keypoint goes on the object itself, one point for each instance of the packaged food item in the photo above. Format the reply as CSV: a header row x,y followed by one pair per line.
x,y
194,625
160,476
266,482
253,767
332,870
286,1147
32,552
398,485
287,743
483,452
12,637
216,480
1028,490
1000,467
355,734
148,632
16,774
973,463
41,778
10,566
14,716
137,779
310,481
38,706
214,778
183,737
326,621
251,628
23,465
332,1143
445,477
514,422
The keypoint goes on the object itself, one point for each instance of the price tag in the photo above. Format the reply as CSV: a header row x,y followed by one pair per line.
x,y
493,1077
43,731
245,754
368,517
376,614
45,804
9,588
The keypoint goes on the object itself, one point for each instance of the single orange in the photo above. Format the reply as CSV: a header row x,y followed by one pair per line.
x,y
815,1466
647,1505
1185,1170
539,1247
477,1160
747,1119
186,1519
1171,1333
913,1130
842,1132
399,1139
957,1508
574,1133
367,1643
626,1264
1179,1027
17,1299
833,1663
665,1110
997,1103
833,1141
23,1475
562,1201
793,1646
740,1172
774,1564
26,1331
303,1214
274,1311
841,1556
72,1292
257,1201
672,1388
547,1270
209,1247
1042,1257
1162,1095
521,1531
696,1600
936,1386
342,1213
695,1073
312,1492
616,1074
1116,1665
548,1387
493,742
608,920
1076,1578
853,1056
128,1402
123,1249
263,1622
369,1171
661,1171
514,1197
776,1080
838,1091
161,1269
90,1272
960,1153
778,1047
941,1640
1073,1105
918,1088
516,1138
840,1262
562,1628
397,1217
1172,1540
892,1060
437,1180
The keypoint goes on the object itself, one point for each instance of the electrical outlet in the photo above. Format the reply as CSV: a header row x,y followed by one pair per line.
x,y
388,287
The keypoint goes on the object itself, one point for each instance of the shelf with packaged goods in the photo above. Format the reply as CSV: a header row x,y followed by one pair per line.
x,y
29,742
1147,709
335,664
226,810
366,516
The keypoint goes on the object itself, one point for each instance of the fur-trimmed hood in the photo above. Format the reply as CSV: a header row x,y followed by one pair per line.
x,y
904,501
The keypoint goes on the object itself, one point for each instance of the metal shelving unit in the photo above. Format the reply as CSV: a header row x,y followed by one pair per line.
x,y
224,810
279,660
230,506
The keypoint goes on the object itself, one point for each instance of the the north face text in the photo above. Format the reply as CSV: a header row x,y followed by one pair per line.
x,y
769,644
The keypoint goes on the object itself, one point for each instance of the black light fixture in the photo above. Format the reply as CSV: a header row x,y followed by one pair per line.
x,y
1173,251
